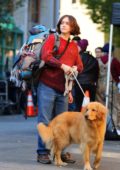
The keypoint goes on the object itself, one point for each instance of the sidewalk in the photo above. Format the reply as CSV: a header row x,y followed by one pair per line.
x,y
18,143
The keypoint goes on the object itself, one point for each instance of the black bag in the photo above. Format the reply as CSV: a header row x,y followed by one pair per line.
x,y
111,130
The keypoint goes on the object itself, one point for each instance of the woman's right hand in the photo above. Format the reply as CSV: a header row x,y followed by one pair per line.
x,y
67,69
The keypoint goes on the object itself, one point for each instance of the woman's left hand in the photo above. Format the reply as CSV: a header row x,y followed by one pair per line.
x,y
70,97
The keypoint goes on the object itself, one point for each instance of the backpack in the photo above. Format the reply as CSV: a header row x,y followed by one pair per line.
x,y
27,68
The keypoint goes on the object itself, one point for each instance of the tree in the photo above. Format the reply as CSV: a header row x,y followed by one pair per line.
x,y
7,8
100,12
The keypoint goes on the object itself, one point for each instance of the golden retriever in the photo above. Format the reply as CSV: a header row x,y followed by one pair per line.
x,y
86,128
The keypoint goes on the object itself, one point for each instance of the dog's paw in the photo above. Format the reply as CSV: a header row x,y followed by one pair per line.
x,y
60,164
95,166
96,163
87,167
64,163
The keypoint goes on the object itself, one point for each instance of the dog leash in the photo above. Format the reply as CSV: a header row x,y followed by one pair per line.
x,y
78,83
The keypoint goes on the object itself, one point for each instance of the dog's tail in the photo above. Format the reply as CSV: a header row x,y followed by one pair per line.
x,y
46,134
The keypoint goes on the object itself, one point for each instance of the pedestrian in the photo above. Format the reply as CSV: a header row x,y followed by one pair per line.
x,y
115,71
88,77
98,52
51,99
102,78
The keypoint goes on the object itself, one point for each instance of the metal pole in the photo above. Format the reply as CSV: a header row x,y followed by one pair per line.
x,y
109,64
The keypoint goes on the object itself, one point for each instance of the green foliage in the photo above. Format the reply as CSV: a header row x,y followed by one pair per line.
x,y
100,12
8,6
6,10
7,23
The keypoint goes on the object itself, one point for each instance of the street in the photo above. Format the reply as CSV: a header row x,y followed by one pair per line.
x,y
18,143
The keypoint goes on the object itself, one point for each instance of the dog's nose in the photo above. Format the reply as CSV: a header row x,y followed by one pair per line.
x,y
86,116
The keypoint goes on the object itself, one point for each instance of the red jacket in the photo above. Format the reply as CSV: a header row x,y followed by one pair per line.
x,y
53,75
115,70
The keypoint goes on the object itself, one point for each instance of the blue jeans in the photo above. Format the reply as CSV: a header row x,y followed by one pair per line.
x,y
50,104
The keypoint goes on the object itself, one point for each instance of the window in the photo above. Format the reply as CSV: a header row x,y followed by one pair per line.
x,y
73,1
9,40
19,41
35,8
0,55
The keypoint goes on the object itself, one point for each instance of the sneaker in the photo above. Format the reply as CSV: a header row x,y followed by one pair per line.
x,y
43,158
67,158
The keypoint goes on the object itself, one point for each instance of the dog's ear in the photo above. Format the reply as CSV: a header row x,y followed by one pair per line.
x,y
102,111
101,115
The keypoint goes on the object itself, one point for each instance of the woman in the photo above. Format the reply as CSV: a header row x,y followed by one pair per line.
x,y
51,100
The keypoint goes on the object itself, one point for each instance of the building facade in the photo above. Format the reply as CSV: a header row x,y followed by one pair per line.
x,y
34,12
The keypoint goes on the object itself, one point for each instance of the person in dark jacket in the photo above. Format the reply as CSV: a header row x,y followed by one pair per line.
x,y
88,77
115,72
